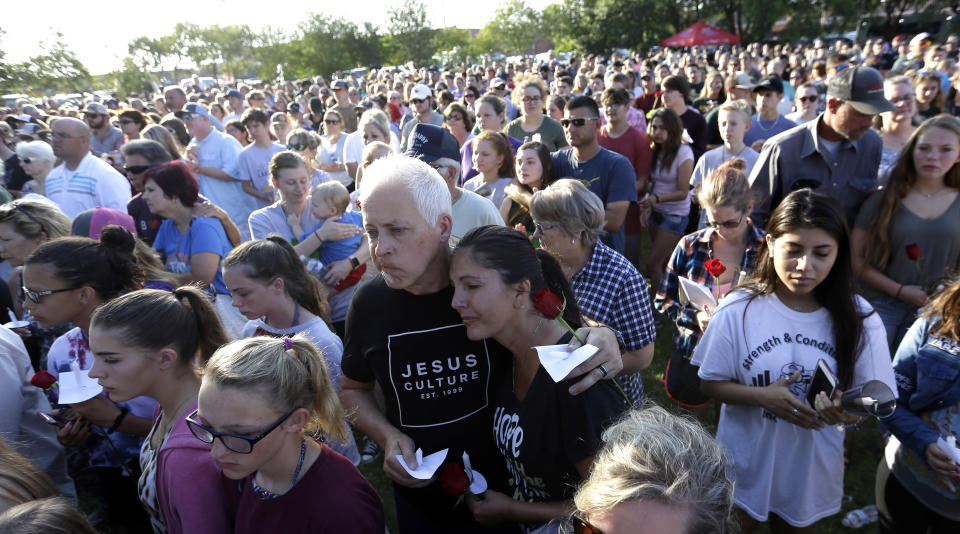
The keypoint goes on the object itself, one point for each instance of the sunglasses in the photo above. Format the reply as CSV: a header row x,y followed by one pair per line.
x,y
725,224
416,101
299,147
813,98
582,526
453,118
137,169
35,296
578,122
235,442
329,121
528,99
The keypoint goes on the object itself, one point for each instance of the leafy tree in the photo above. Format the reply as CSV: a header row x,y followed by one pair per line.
x,y
55,69
513,28
130,78
409,37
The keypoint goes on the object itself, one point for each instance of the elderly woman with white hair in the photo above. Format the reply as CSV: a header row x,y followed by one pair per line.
x,y
37,160
659,470
569,220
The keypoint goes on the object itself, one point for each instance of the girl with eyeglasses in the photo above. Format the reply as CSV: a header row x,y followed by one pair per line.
x,y
729,236
331,154
179,485
796,312
895,127
530,96
65,281
261,402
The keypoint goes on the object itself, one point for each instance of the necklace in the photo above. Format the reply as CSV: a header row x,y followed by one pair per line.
x,y
267,494
767,128
928,195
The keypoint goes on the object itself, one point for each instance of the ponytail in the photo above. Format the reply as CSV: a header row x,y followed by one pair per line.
x,y
188,320
294,377
107,266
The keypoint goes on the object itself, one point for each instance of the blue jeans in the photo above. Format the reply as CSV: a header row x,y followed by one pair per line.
x,y
897,317
671,223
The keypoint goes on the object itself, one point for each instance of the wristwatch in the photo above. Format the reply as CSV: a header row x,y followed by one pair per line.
x,y
354,262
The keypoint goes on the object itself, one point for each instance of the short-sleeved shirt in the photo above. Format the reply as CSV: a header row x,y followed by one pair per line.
x,y
146,222
273,220
221,151
466,158
633,144
611,291
798,158
331,251
253,165
93,184
607,174
477,183
205,234
938,239
550,133
665,182
435,118
470,211
762,129
111,142
778,467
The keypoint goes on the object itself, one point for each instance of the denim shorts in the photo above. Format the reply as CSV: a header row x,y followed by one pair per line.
x,y
671,223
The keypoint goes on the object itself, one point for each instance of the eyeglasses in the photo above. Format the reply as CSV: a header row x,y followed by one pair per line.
x,y
235,442
88,116
470,96
299,147
725,224
578,122
416,100
453,117
35,296
256,98
137,169
331,121
541,228
582,526
529,99
812,98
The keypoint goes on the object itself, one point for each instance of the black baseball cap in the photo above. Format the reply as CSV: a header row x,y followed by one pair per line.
x,y
429,143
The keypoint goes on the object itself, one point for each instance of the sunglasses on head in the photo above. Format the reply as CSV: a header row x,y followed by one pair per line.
x,y
578,122
137,169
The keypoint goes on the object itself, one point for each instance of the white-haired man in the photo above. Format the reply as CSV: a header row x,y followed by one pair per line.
x,y
403,334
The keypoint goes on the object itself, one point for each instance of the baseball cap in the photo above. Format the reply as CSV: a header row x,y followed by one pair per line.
x,y
497,82
772,83
234,94
647,74
339,85
862,87
744,81
920,38
429,143
96,109
192,109
293,107
90,223
421,92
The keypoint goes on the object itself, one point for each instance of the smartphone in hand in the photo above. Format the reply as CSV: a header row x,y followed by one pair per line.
x,y
823,380
53,419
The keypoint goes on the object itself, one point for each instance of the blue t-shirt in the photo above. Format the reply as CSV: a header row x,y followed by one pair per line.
x,y
205,234
608,175
766,129
331,251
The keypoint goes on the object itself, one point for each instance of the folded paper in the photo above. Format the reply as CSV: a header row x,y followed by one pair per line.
x,y
426,465
77,386
558,361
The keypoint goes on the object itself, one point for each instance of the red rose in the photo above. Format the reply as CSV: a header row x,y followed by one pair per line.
x,y
357,202
715,267
913,251
547,303
454,479
43,380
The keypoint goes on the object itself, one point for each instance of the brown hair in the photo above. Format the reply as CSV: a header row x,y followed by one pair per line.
x,y
502,146
946,306
53,515
20,480
727,185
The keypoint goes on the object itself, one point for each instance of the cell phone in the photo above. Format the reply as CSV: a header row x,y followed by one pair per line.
x,y
53,419
823,380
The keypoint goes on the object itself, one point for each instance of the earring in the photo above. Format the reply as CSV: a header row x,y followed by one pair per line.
x,y
573,241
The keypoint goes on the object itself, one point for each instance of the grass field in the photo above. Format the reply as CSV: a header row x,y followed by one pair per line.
x,y
858,482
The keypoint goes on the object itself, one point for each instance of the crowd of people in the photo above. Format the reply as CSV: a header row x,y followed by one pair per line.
x,y
274,283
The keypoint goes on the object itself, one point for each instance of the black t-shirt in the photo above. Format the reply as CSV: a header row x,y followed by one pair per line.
x,y
147,223
543,436
13,174
435,381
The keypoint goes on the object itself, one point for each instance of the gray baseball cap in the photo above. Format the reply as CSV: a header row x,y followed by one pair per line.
x,y
862,87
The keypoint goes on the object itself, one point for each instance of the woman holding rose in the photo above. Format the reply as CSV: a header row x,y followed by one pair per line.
x,y
919,207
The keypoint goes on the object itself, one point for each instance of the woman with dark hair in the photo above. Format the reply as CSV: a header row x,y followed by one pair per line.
x,y
916,480
469,100
930,95
179,131
493,159
179,485
555,109
192,247
796,312
65,281
491,114
132,122
920,206
272,288
675,94
534,172
458,122
712,95
547,437
237,130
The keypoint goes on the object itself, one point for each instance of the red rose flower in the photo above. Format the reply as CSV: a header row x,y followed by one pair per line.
x,y
454,479
715,267
913,251
43,380
357,202
547,303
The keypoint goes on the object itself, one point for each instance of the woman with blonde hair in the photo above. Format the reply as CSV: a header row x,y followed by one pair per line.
x,y
930,95
530,96
20,480
163,136
51,515
895,127
261,402
920,207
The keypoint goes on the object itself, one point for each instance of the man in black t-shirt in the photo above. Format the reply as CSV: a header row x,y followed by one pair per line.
x,y
402,334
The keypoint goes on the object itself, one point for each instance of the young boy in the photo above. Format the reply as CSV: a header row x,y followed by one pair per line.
x,y
331,199
253,164
733,118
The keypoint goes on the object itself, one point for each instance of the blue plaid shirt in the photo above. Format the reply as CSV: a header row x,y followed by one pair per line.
x,y
611,291
688,260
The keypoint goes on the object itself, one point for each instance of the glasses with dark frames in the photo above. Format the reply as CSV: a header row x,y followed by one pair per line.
x,y
35,296
137,169
725,224
235,442
578,122
582,526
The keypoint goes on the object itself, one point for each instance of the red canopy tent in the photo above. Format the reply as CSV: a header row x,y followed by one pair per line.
x,y
700,34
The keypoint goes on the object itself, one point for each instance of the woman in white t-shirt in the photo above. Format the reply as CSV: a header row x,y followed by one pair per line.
x,y
759,353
